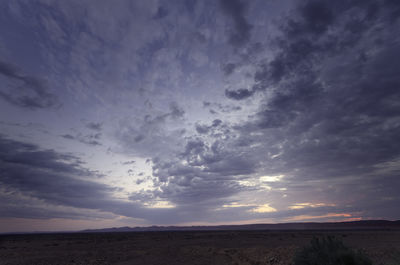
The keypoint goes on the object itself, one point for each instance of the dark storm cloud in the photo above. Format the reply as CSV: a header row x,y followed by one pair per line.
x,y
24,90
241,32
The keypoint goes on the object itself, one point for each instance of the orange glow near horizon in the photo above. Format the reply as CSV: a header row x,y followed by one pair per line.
x,y
311,217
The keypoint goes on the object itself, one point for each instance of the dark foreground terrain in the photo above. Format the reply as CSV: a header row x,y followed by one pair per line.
x,y
186,247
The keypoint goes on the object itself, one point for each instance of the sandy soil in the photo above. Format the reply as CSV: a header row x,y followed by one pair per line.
x,y
223,247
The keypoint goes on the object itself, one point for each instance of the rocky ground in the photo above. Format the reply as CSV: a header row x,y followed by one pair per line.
x,y
222,247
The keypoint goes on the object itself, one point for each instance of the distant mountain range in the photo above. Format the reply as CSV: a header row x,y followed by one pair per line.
x,y
354,225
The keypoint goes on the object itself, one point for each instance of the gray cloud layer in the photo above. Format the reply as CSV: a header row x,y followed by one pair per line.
x,y
24,90
331,116
306,115
240,33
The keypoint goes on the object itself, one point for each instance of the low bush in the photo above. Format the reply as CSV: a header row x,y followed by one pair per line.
x,y
329,251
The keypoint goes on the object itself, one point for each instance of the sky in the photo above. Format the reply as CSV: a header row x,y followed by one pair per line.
x,y
189,112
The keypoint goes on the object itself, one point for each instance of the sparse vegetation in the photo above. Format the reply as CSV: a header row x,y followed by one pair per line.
x,y
329,251
262,247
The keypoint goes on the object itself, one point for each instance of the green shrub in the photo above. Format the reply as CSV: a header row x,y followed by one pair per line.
x,y
329,251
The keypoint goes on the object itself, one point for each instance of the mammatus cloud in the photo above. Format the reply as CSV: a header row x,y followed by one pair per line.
x,y
24,90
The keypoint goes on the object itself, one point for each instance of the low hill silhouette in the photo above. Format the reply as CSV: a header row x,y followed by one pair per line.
x,y
353,225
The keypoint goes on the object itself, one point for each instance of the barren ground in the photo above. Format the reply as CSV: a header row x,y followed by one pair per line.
x,y
216,247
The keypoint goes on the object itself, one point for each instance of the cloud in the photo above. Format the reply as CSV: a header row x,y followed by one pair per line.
x,y
326,80
306,37
176,111
228,68
24,90
89,139
48,176
95,126
56,185
161,13
151,135
129,162
239,94
204,129
317,16
236,10
221,107
327,120
204,173
330,114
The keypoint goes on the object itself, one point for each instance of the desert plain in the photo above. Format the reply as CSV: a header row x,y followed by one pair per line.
x,y
187,247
